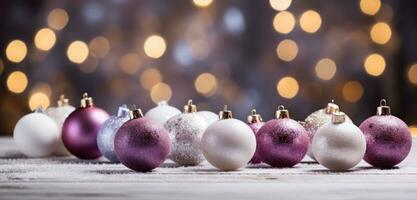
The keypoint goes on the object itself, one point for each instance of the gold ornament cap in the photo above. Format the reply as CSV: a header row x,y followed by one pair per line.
x,y
225,113
86,101
135,113
383,109
62,101
254,117
338,117
190,107
282,113
331,107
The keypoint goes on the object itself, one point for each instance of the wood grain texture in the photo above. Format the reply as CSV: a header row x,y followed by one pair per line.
x,y
71,178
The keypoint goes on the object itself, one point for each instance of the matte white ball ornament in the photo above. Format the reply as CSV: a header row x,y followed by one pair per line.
x,y
162,112
210,117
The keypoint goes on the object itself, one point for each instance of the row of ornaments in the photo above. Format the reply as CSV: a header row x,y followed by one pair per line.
x,y
227,144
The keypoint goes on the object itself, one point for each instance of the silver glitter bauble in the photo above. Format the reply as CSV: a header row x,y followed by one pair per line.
x,y
209,116
185,132
107,132
162,112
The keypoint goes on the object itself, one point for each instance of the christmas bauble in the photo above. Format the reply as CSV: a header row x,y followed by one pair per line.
x,y
388,139
107,132
339,145
162,112
36,134
255,123
185,132
282,142
228,144
141,144
209,116
79,132
59,114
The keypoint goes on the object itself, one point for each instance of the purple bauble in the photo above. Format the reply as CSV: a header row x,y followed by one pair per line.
x,y
282,142
388,140
79,132
142,144
255,128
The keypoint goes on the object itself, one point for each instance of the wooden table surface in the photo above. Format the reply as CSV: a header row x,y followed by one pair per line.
x,y
71,178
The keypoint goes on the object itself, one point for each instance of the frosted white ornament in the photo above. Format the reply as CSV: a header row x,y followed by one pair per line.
x,y
228,144
36,134
185,132
162,112
339,145
59,114
209,116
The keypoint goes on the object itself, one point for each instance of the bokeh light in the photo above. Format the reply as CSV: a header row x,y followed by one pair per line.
x,y
374,64
202,3
370,7
58,18
413,130
161,92
206,84
287,87
352,91
284,22
310,21
16,51
325,69
287,50
38,99
381,33
42,87
99,46
45,39
17,82
280,5
150,77
412,74
130,63
154,46
77,52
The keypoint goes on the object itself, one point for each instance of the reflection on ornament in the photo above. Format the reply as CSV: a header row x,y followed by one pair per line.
x,y
209,116
162,112
255,123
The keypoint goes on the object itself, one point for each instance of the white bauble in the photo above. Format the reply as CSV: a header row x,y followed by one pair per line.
x,y
59,114
36,135
209,116
228,144
162,112
339,146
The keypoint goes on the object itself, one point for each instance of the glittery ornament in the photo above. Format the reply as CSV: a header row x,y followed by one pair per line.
x,y
141,144
59,114
107,132
339,145
79,132
255,123
162,112
209,116
282,142
228,144
388,139
185,132
36,134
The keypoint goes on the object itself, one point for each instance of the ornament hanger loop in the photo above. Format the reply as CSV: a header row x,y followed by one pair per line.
x,y
282,113
383,109
135,113
383,102
225,113
338,117
86,101
62,101
190,107
253,112
254,117
331,107
281,107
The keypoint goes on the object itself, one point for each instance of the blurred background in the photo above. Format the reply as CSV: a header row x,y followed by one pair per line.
x,y
247,54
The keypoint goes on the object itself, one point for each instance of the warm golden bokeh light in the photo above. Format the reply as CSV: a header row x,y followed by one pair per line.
x,y
206,84
154,46
287,87
16,51
77,52
381,33
280,5
374,64
17,82
202,3
38,99
42,87
287,50
284,22
45,39
58,18
130,63
413,130
412,74
325,69
310,21
99,46
352,91
150,77
161,92
370,7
